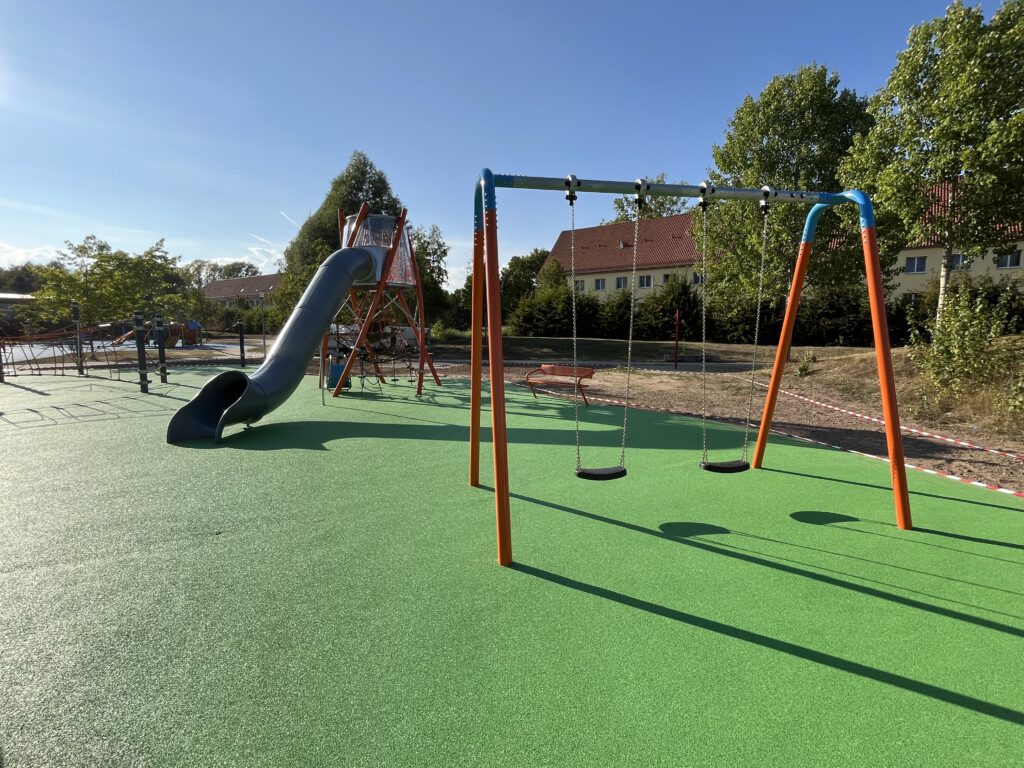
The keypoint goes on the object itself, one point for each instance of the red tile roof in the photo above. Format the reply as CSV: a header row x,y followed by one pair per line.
x,y
242,287
664,242
940,202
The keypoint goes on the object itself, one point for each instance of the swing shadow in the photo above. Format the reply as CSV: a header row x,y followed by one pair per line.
x,y
893,679
685,533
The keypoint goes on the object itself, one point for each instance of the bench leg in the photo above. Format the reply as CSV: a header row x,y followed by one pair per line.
x,y
583,395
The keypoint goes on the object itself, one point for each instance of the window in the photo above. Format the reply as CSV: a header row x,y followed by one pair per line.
x,y
915,264
644,281
1008,260
620,283
599,284
956,261
914,299
665,278
698,278
579,286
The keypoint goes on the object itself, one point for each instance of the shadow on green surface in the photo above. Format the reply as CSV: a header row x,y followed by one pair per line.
x,y
314,435
793,567
830,518
888,488
782,646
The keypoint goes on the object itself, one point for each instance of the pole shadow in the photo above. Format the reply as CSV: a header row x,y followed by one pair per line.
x,y
888,489
796,568
814,517
893,679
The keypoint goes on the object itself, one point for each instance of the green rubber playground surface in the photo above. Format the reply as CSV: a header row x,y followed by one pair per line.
x,y
322,590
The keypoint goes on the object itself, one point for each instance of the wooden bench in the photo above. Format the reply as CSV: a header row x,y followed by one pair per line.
x,y
560,376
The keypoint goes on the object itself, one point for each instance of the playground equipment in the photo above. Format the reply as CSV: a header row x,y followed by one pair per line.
x,y
616,472
233,397
386,305
741,464
486,281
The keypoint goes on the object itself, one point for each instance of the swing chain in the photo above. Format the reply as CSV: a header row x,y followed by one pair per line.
x,y
571,183
765,207
641,186
703,205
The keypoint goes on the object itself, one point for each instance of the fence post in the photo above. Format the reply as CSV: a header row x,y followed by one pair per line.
x,y
140,347
76,315
241,341
161,337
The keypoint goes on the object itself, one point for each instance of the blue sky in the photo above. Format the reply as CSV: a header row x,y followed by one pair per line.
x,y
217,125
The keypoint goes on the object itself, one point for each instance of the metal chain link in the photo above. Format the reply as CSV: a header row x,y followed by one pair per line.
x,y
629,343
704,335
757,328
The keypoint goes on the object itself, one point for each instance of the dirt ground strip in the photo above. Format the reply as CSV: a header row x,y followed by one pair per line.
x,y
728,395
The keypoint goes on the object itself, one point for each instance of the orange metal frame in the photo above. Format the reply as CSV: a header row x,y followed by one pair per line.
x,y
486,296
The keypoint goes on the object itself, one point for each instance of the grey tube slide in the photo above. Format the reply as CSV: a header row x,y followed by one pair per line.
x,y
232,397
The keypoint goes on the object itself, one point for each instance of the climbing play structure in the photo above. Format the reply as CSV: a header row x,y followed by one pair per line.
x,y
486,304
379,309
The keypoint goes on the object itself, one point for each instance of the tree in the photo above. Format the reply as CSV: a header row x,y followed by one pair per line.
x,y
793,136
654,207
431,254
235,269
360,182
110,284
656,315
22,278
519,278
199,273
946,152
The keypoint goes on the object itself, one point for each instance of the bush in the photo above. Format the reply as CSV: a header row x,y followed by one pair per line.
x,y
656,315
963,349
548,312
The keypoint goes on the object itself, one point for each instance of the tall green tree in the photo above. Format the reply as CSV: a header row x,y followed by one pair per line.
x,y
794,135
110,284
21,278
360,182
431,256
235,269
624,206
519,278
946,153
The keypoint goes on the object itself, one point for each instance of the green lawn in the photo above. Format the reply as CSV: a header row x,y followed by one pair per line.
x,y
322,590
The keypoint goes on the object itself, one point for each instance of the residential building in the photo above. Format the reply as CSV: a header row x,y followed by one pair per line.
x,y
243,289
604,256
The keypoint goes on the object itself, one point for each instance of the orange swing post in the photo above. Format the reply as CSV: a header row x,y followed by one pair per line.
x,y
883,352
486,279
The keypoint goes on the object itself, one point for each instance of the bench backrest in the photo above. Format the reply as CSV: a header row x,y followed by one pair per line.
x,y
566,370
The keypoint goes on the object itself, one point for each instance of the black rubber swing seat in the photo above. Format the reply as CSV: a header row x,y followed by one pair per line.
x,y
601,473
725,467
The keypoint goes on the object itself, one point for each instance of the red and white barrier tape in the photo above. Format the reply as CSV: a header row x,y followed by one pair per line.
x,y
936,472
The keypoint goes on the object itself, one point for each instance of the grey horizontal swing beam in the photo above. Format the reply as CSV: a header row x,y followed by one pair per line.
x,y
709,192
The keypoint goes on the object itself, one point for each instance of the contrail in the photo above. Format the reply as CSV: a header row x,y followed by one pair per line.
x,y
289,219
257,237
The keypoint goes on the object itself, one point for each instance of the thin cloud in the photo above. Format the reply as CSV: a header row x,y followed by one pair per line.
x,y
13,255
257,237
289,219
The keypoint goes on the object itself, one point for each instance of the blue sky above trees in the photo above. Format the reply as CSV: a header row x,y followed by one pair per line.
x,y
218,126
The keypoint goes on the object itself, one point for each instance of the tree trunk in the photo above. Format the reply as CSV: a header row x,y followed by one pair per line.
x,y
947,255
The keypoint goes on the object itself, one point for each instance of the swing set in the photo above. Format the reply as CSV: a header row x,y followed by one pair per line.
x,y
486,285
